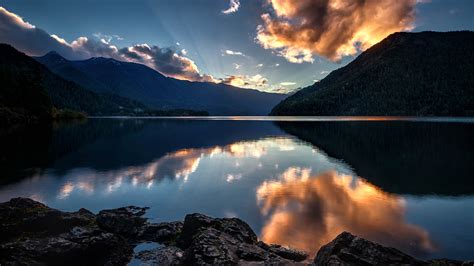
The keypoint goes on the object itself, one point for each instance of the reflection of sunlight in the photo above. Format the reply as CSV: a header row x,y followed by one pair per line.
x,y
178,165
307,212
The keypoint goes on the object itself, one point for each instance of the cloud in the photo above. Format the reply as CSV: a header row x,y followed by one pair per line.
x,y
287,83
30,39
234,6
331,28
257,82
245,81
306,212
164,60
230,52
35,41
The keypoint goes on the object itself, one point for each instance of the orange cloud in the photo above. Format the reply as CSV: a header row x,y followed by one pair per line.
x,y
244,81
307,212
331,28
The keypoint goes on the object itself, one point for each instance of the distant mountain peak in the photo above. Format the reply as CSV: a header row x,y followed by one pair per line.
x,y
52,53
54,57
104,60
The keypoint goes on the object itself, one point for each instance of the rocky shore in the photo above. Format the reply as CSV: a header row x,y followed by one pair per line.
x,y
34,234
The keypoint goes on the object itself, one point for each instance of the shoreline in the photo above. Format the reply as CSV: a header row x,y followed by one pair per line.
x,y
33,233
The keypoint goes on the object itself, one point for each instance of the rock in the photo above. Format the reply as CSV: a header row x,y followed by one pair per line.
x,y
448,262
192,224
161,256
126,221
230,242
236,228
288,253
211,246
33,233
162,232
232,226
347,249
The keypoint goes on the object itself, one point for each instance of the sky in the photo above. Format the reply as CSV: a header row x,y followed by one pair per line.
x,y
270,45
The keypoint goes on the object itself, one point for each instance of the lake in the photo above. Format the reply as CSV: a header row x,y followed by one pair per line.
x,y
402,182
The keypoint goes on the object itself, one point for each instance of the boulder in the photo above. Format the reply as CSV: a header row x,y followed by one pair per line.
x,y
347,249
33,233
234,227
126,221
229,241
162,232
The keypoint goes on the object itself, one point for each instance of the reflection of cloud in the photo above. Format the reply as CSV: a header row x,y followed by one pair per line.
x,y
331,28
233,7
307,212
233,177
69,187
246,149
180,164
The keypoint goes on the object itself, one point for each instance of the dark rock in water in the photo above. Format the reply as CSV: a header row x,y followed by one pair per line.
x,y
288,253
448,262
347,249
229,241
192,224
232,226
33,233
126,221
161,256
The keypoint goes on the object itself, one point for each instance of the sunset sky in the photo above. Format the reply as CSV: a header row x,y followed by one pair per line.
x,y
271,45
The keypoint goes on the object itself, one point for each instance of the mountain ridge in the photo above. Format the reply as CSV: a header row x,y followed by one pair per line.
x,y
144,84
406,74
30,91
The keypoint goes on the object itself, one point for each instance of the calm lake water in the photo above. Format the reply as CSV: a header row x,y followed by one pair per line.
x,y
407,184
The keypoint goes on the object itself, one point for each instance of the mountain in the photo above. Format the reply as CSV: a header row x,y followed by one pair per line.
x,y
22,94
30,91
406,74
141,83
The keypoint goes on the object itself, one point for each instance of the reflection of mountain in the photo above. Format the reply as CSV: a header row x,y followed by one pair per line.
x,y
107,144
32,148
176,166
307,212
400,157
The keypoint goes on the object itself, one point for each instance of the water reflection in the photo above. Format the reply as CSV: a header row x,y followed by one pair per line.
x,y
307,212
290,191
